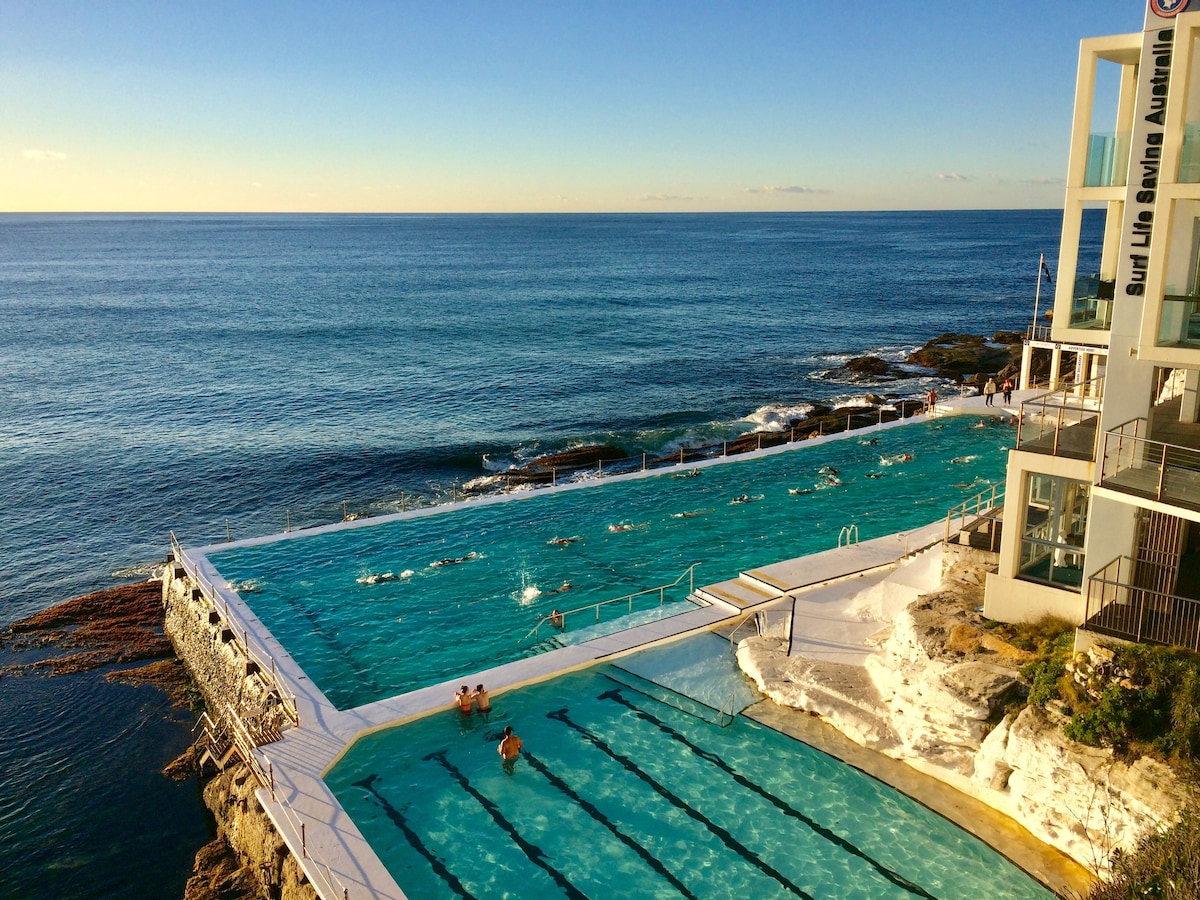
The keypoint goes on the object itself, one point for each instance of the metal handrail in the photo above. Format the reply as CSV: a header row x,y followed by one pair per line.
x,y
975,506
231,725
1129,451
850,533
1077,401
560,619
751,616
1116,605
262,658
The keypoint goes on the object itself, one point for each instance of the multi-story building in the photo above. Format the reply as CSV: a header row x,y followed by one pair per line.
x,y
1102,506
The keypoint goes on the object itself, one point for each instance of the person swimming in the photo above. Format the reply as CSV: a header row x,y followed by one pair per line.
x,y
562,541
510,748
565,586
556,619
453,561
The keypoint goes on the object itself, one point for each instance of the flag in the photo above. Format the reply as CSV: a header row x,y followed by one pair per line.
x,y
1046,270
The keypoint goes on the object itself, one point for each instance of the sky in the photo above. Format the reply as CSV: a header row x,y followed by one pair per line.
x,y
562,106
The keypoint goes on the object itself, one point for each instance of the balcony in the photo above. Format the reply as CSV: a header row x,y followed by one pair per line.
x,y
1133,463
1180,322
1107,160
1063,422
1118,608
1092,302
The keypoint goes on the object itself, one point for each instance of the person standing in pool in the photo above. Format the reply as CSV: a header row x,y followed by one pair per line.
x,y
482,702
510,748
463,698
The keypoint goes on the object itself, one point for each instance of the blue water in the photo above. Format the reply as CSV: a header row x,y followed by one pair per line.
x,y
621,795
361,641
209,374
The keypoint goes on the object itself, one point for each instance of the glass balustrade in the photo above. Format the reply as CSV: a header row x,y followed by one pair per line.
x,y
1107,160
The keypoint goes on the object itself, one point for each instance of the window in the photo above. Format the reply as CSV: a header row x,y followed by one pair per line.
x,y
1055,525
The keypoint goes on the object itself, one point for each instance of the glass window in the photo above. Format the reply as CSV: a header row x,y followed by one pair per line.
x,y
1055,526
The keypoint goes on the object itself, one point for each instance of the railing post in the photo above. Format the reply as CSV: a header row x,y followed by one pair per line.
x,y
288,515
1162,473
303,841
643,460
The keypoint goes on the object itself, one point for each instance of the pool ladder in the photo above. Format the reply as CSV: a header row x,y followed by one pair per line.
x,y
850,533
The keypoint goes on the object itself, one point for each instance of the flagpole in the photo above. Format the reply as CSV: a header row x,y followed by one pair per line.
x,y
1037,296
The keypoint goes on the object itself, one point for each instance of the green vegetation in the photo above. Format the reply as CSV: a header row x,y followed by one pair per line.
x,y
1165,865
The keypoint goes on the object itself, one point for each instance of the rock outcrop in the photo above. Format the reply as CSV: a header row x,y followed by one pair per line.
x,y
935,693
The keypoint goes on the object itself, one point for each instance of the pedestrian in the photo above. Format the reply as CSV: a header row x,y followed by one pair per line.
x,y
1007,388
931,400
989,391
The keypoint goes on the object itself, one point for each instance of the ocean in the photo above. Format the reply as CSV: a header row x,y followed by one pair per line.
x,y
224,375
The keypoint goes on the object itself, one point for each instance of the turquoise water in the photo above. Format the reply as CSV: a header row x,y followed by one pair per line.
x,y
362,642
620,795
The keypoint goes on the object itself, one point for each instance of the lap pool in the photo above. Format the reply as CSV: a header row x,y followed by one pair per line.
x,y
628,789
373,610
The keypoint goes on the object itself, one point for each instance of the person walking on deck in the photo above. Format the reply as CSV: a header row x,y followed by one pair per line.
x,y
989,392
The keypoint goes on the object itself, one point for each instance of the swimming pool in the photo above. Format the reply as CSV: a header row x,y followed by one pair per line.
x,y
377,610
622,792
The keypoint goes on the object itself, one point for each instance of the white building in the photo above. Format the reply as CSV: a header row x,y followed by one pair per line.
x,y
1102,508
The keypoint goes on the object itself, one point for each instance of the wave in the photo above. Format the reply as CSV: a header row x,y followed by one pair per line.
x,y
151,571
779,416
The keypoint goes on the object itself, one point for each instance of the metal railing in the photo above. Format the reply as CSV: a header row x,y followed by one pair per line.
x,y
971,510
558,620
261,657
1158,471
850,533
1044,419
1118,608
229,730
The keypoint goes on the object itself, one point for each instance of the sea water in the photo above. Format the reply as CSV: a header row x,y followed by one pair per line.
x,y
217,374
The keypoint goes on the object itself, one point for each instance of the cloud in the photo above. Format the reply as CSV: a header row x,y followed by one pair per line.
x,y
663,198
785,189
1044,181
44,155
257,185
951,176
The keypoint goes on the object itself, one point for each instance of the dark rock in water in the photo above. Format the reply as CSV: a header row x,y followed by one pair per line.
x,y
865,368
876,400
1008,337
577,458
956,355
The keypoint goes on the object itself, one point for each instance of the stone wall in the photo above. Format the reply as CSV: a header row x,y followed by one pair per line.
x,y
215,656
229,679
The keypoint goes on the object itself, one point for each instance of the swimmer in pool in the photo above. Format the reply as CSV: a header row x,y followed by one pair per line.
x,y
510,748
565,586
556,619
561,541
483,703
463,698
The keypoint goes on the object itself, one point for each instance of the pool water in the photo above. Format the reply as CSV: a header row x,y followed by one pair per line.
x,y
620,795
374,611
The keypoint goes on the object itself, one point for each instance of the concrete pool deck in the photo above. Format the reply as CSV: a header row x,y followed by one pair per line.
x,y
332,851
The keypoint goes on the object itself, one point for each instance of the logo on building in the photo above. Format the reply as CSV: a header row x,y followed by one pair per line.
x,y
1167,9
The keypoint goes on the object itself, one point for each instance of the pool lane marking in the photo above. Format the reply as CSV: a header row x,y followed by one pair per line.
x,y
534,853
592,810
728,839
413,838
782,805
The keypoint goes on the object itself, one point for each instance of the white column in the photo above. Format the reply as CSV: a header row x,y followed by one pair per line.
x,y
1055,365
1026,361
1189,409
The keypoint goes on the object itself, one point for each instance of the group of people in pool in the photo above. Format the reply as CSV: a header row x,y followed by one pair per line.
x,y
477,700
